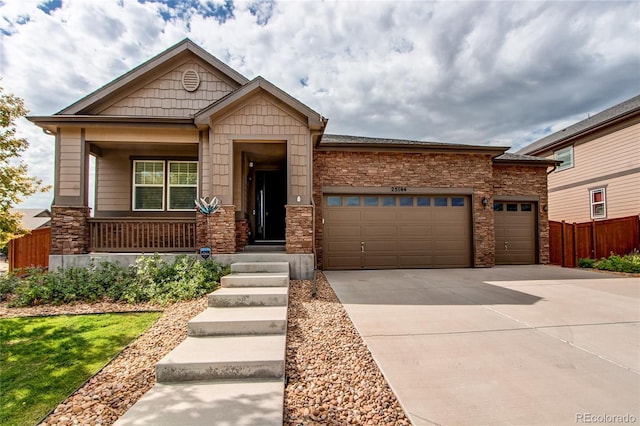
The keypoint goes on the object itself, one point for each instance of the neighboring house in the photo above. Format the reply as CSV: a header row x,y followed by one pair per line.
x,y
185,125
599,174
34,218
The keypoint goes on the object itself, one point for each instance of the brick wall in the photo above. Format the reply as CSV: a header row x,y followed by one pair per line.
x,y
242,234
69,230
299,233
526,180
421,170
221,232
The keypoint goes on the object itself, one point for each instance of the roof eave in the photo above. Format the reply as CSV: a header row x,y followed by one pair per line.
x,y
415,147
51,122
540,163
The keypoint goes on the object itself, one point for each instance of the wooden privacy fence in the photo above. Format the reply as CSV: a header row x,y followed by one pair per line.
x,y
569,242
30,250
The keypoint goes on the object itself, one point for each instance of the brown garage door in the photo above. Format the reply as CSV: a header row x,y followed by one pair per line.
x,y
515,229
396,231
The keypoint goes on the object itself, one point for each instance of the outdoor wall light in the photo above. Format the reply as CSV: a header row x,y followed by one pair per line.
x,y
298,198
545,208
485,201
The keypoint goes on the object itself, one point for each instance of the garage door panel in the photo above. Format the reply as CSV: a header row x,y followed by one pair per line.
x,y
409,236
515,234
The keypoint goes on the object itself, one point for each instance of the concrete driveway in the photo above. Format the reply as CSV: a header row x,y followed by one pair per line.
x,y
508,345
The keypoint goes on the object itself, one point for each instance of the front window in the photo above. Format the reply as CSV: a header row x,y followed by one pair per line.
x,y
153,190
598,203
565,155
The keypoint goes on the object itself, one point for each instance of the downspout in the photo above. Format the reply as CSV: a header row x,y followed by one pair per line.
x,y
314,282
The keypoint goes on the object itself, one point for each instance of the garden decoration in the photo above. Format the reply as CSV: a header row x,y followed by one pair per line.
x,y
207,208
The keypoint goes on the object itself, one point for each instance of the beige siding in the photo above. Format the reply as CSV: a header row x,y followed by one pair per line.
x,y
261,118
165,97
573,204
70,163
602,157
114,178
141,134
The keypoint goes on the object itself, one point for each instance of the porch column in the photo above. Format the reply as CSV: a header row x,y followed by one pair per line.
x,y
70,211
218,231
299,232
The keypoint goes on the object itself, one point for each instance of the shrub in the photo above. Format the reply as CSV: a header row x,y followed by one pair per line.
x,y
150,279
586,263
629,263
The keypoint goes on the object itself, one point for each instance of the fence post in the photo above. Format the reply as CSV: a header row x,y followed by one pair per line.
x,y
575,244
593,238
562,243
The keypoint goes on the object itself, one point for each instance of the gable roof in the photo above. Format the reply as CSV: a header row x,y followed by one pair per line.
x,y
604,118
120,84
33,218
314,120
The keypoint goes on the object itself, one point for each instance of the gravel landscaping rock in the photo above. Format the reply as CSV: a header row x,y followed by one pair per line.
x,y
332,378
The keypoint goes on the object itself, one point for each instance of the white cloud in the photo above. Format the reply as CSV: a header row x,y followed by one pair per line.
x,y
501,73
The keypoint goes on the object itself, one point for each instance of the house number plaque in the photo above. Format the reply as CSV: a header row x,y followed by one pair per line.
x,y
398,189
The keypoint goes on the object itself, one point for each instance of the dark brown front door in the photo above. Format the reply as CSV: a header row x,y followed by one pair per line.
x,y
271,197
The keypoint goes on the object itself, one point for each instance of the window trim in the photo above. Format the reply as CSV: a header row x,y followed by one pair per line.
x,y
136,185
561,151
168,181
603,202
166,186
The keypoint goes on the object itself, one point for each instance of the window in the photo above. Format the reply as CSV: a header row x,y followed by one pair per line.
x,y
512,207
351,201
525,207
424,201
498,207
371,201
565,155
457,202
153,190
334,201
406,201
388,201
598,203
441,201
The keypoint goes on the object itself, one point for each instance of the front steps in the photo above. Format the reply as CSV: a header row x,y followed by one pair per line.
x,y
235,351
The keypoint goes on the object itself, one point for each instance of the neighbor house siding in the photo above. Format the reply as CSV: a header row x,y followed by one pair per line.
x,y
70,163
416,170
260,119
165,96
611,160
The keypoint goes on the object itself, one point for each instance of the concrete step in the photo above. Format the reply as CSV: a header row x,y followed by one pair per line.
x,y
249,296
199,404
260,267
239,321
224,358
258,279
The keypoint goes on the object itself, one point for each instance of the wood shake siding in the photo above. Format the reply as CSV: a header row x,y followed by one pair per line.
x,y
601,162
70,162
260,119
165,97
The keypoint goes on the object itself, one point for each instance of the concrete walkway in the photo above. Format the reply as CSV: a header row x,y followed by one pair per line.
x,y
508,345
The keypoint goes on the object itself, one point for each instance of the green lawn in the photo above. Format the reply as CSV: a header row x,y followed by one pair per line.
x,y
45,359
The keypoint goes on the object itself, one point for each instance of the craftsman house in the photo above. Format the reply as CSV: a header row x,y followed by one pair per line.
x,y
184,125
599,174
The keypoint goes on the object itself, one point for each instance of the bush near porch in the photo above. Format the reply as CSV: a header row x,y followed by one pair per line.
x,y
150,279
629,263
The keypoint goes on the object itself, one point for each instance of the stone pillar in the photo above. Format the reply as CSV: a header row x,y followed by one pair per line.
x,y
69,230
299,232
242,234
483,231
221,235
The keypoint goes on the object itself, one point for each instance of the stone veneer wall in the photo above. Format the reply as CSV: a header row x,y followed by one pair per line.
x,y
416,170
69,230
299,232
223,228
526,180
242,234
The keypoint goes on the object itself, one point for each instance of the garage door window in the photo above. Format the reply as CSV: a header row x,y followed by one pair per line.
x,y
512,207
371,201
334,201
424,201
388,201
525,207
406,201
441,201
457,202
352,201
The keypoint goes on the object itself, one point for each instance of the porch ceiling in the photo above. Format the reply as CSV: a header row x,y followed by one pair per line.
x,y
159,148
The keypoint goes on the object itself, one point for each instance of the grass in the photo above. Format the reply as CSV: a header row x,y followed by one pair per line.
x,y
45,359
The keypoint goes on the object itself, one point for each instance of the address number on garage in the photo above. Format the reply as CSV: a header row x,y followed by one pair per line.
x,y
398,189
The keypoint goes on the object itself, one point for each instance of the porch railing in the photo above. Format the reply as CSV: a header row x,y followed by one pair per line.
x,y
142,235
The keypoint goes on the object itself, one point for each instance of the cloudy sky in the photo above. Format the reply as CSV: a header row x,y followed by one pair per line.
x,y
487,73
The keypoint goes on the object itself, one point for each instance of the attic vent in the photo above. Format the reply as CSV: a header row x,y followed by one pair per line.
x,y
190,80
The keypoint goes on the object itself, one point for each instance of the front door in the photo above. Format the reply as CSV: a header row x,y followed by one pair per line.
x,y
271,197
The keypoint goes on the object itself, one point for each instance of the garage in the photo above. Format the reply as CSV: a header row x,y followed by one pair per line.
x,y
515,231
372,231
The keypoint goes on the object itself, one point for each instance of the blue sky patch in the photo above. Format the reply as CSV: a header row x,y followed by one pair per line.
x,y
262,10
184,9
49,6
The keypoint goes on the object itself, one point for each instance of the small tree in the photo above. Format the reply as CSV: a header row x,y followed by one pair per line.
x,y
14,181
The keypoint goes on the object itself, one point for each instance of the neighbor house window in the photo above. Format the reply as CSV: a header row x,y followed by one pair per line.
x,y
154,188
598,203
565,156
